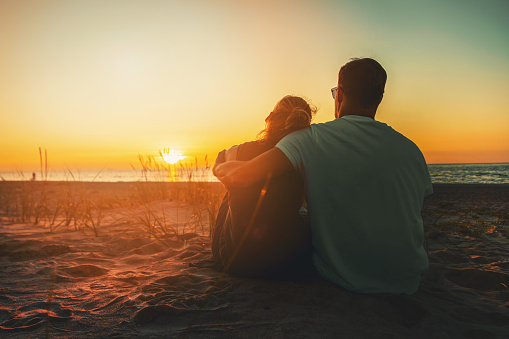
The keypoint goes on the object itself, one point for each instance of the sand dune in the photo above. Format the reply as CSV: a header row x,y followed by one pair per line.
x,y
70,283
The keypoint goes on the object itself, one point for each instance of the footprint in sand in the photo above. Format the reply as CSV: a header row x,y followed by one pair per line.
x,y
444,256
4,315
150,314
504,265
85,271
477,279
34,316
44,252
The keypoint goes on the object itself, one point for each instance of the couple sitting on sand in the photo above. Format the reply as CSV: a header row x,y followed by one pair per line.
x,y
345,195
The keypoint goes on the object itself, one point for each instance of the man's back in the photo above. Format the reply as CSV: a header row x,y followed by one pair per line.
x,y
365,185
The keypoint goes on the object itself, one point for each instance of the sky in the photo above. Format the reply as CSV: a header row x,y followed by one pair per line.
x,y
97,83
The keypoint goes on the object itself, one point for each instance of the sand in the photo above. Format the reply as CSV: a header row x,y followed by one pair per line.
x,y
123,283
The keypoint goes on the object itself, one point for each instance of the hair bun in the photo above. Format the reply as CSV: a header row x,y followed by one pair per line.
x,y
298,119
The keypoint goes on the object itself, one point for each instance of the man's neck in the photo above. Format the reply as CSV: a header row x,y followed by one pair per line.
x,y
364,112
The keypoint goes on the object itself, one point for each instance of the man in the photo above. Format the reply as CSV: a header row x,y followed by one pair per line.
x,y
365,184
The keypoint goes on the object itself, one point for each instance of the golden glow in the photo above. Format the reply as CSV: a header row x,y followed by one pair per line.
x,y
97,84
172,156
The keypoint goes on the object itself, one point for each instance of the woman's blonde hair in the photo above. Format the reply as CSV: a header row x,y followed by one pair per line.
x,y
289,115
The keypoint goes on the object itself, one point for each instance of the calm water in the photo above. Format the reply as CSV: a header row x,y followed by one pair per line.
x,y
470,173
447,173
115,175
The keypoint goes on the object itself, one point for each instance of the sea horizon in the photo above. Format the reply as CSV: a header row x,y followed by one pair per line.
x,y
455,173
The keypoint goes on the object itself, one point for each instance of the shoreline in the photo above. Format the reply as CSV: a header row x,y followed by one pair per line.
x,y
187,182
472,185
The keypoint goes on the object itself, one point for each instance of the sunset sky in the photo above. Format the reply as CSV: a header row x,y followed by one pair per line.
x,y
98,82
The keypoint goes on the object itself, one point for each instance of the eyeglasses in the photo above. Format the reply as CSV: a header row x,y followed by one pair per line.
x,y
334,90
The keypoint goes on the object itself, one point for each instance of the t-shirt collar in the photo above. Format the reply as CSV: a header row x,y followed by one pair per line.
x,y
357,118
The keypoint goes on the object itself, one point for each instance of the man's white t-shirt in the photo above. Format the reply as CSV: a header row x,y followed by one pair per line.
x,y
365,185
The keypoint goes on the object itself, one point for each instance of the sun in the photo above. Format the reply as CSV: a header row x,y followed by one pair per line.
x,y
172,156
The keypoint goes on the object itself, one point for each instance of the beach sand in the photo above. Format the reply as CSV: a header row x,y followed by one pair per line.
x,y
123,283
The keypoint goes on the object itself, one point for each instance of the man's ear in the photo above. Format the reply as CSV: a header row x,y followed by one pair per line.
x,y
340,93
337,101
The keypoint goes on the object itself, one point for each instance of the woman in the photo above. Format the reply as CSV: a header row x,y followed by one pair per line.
x,y
260,235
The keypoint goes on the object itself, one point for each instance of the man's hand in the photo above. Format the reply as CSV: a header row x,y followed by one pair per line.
x,y
245,173
225,172
221,157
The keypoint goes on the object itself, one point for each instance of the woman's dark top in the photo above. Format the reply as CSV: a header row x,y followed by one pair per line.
x,y
277,238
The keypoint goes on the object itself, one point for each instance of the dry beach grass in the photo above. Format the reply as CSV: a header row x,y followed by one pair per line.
x,y
119,260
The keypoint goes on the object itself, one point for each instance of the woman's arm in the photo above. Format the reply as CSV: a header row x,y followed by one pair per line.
x,y
245,173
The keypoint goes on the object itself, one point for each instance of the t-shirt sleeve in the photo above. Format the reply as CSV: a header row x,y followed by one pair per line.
x,y
428,186
294,147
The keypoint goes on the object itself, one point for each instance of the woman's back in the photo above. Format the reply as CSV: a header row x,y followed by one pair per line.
x,y
258,229
259,245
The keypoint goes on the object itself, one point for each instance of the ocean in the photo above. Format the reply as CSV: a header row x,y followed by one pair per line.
x,y
114,175
469,173
440,174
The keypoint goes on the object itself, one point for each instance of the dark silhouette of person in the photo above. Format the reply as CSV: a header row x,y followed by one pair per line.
x,y
262,230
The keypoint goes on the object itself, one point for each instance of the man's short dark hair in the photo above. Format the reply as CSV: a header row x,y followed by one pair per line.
x,y
363,80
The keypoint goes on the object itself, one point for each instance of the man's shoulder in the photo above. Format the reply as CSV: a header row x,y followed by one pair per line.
x,y
402,143
296,143
402,138
313,133
302,133
323,126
